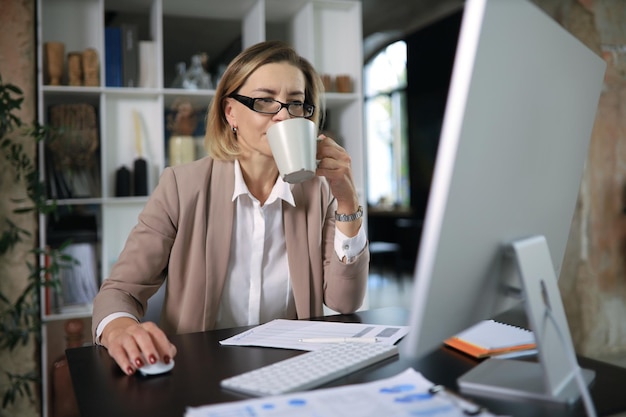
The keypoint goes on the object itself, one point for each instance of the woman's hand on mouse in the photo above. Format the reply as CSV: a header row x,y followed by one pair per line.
x,y
131,344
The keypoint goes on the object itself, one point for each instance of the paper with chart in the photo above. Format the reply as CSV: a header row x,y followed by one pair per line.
x,y
407,394
288,334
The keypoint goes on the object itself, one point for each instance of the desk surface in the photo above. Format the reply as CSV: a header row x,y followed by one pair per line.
x,y
201,363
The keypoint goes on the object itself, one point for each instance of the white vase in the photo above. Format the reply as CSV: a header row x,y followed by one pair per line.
x,y
182,149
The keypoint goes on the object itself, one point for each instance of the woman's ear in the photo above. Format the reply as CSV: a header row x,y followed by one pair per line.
x,y
229,112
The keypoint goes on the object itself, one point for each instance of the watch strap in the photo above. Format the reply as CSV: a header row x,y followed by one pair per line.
x,y
349,217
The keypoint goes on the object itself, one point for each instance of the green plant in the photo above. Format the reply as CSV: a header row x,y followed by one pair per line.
x,y
20,315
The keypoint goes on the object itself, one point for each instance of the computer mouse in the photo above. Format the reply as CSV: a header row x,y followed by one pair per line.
x,y
156,368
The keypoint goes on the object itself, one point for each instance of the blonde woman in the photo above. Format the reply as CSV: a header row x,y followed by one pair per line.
x,y
237,245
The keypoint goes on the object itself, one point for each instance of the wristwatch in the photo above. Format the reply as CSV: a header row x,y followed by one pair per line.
x,y
349,217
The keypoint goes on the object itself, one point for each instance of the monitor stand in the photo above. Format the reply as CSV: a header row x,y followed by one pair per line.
x,y
554,377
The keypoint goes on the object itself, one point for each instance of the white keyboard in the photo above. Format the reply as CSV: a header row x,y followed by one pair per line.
x,y
310,369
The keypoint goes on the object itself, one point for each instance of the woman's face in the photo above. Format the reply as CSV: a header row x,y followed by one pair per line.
x,y
279,81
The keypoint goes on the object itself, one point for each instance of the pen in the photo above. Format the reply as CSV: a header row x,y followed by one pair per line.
x,y
467,407
340,340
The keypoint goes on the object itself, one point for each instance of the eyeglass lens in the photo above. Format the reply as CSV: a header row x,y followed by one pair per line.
x,y
266,105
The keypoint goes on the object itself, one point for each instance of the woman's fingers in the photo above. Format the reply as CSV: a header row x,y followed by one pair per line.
x,y
135,345
335,155
124,352
165,350
336,165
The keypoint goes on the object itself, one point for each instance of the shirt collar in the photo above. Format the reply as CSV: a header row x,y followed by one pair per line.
x,y
280,190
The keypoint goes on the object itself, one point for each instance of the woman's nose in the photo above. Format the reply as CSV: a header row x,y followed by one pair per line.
x,y
282,114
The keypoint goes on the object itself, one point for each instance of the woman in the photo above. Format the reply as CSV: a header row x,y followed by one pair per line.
x,y
237,244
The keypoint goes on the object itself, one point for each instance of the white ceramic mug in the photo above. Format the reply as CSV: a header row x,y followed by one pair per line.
x,y
294,145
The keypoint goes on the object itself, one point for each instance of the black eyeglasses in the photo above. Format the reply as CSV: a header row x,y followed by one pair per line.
x,y
271,106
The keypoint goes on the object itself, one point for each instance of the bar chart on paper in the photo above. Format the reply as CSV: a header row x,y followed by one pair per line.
x,y
407,394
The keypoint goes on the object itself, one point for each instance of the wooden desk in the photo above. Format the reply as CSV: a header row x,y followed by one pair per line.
x,y
201,363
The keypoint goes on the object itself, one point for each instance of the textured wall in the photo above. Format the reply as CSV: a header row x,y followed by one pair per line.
x,y
602,271
593,283
17,66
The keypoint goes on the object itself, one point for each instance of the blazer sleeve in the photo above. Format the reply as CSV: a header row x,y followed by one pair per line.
x,y
344,284
142,264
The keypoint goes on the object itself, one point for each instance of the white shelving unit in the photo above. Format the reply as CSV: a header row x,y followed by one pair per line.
x,y
327,32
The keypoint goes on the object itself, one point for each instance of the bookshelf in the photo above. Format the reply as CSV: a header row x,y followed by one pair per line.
x,y
327,32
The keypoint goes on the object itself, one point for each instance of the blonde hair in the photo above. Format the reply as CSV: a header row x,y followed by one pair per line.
x,y
220,141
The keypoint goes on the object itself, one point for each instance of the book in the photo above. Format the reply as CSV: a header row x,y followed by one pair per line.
x,y
490,338
79,280
147,64
130,56
113,56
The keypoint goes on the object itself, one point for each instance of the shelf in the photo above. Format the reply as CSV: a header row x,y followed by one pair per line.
x,y
126,92
99,201
51,90
224,10
75,202
197,98
338,99
73,313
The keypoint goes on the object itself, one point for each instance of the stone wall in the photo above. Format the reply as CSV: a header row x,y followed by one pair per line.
x,y
593,282
17,66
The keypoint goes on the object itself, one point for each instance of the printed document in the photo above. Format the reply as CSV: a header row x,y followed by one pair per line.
x,y
407,394
301,334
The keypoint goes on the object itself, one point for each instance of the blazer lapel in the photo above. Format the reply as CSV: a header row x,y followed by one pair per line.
x,y
295,223
218,238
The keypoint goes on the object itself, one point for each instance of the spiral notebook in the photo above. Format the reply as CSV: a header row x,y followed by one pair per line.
x,y
490,338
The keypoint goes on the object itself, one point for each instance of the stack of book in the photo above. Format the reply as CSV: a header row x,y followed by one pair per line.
x,y
121,48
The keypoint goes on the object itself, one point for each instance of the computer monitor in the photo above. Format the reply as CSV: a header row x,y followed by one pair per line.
x,y
517,125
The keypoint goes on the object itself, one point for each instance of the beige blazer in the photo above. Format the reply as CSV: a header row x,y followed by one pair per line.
x,y
184,233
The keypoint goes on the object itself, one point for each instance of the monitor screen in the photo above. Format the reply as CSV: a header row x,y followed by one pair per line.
x,y
513,146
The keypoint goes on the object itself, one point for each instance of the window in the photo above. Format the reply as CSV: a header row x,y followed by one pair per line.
x,y
385,111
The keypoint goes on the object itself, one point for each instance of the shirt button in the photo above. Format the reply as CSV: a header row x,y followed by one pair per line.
x,y
346,247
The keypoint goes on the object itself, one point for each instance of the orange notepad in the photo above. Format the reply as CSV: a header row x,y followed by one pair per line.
x,y
490,337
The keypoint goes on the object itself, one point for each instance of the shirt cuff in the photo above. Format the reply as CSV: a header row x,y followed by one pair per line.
x,y
108,319
349,247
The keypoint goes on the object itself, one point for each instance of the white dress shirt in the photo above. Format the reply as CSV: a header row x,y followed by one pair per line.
x,y
258,285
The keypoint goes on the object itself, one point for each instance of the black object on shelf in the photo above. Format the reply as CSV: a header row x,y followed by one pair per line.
x,y
140,178
122,182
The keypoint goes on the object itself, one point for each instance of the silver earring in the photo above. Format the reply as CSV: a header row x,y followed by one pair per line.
x,y
234,129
